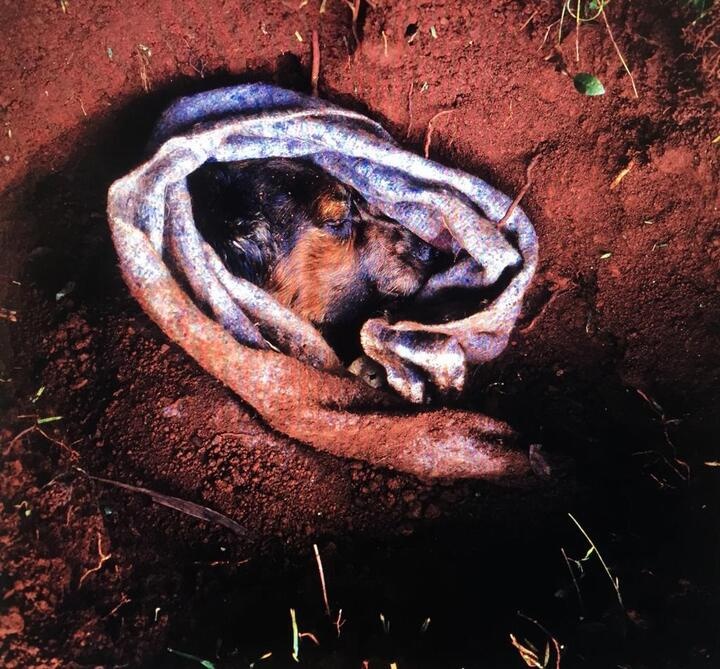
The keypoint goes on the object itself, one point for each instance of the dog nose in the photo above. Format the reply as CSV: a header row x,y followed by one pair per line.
x,y
424,252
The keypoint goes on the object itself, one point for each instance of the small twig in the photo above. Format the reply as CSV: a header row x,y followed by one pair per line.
x,y
621,175
354,6
528,653
35,428
678,466
124,599
355,17
525,25
431,127
22,433
562,20
103,559
521,194
614,581
223,563
321,571
530,325
547,34
574,579
410,109
347,50
143,54
70,451
339,622
577,33
181,505
198,70
309,635
619,53
315,74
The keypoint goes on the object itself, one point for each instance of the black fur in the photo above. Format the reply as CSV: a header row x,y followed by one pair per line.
x,y
252,211
255,212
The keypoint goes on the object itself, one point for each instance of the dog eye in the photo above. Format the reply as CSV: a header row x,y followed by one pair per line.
x,y
341,227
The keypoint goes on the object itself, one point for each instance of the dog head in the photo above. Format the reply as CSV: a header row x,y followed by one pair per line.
x,y
345,258
290,227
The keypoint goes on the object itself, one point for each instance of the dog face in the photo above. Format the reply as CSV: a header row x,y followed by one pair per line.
x,y
311,241
345,259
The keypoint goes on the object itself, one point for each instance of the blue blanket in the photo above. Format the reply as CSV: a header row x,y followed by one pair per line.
x,y
179,279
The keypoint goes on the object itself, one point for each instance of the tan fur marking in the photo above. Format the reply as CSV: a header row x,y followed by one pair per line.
x,y
318,270
332,206
382,260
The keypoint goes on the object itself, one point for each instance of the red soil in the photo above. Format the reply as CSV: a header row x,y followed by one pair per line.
x,y
626,302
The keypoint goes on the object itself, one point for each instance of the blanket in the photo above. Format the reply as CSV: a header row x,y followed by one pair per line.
x,y
275,360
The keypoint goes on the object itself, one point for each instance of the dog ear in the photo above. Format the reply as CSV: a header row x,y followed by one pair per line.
x,y
251,251
332,206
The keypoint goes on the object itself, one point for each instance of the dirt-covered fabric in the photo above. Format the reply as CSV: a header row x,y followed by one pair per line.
x,y
151,217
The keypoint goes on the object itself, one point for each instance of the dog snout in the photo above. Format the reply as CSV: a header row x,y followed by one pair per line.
x,y
423,252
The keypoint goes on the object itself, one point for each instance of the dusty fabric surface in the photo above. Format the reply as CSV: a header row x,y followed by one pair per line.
x,y
305,393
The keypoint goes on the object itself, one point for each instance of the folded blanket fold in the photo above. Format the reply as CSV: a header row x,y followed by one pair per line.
x,y
447,208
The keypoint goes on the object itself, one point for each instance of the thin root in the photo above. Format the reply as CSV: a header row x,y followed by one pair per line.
x,y
35,428
315,74
410,109
431,127
103,559
528,181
